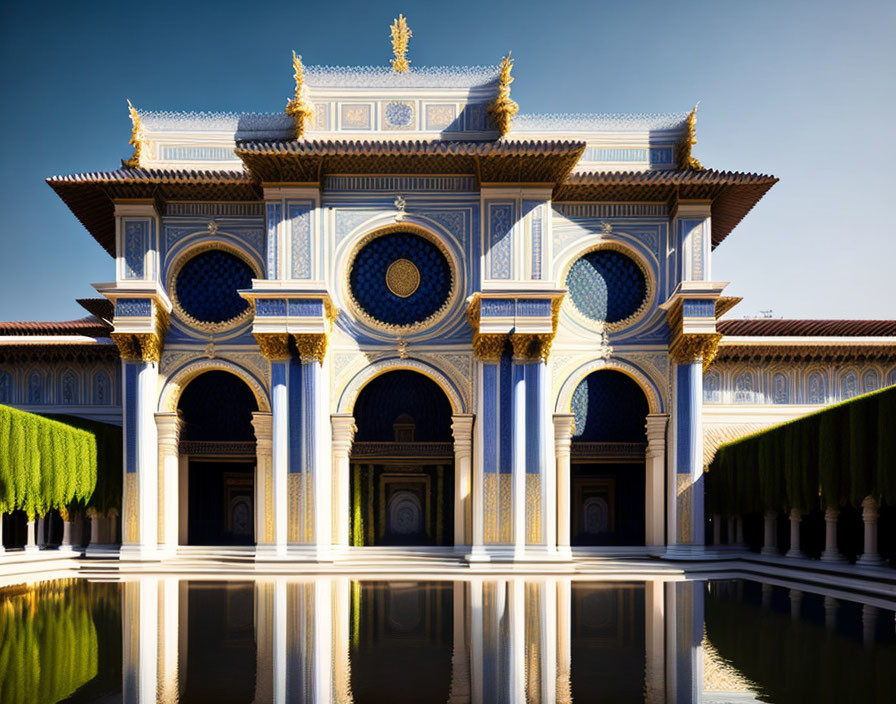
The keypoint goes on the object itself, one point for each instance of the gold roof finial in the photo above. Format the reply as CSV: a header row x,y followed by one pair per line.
x,y
138,140
503,108
299,108
401,33
686,144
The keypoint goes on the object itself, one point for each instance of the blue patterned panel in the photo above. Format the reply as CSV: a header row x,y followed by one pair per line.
x,y
207,286
500,243
35,391
398,114
606,286
699,309
497,308
273,220
133,307
135,246
533,307
300,224
270,307
102,389
816,388
367,279
609,407
68,392
306,307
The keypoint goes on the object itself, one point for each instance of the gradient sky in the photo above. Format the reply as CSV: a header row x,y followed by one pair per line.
x,y
802,90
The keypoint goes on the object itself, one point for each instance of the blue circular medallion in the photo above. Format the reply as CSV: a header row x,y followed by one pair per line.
x,y
207,286
606,286
400,279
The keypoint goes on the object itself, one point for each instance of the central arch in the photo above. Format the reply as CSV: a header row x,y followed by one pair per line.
x,y
402,462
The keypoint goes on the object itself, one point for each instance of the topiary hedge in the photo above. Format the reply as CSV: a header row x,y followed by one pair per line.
x,y
44,464
834,457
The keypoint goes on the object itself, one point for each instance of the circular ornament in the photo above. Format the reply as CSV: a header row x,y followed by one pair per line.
x,y
403,277
609,287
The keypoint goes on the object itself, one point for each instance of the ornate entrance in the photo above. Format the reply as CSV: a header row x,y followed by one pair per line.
x,y
402,463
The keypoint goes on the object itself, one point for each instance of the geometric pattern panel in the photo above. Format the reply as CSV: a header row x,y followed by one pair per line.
x,y
207,286
400,279
606,286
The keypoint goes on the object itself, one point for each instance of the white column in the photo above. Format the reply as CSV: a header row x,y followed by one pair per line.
x,y
870,514
343,428
655,486
830,613
31,544
316,386
684,500
183,500
564,425
66,544
168,431
831,551
462,429
770,535
795,517
264,499
518,434
279,459
796,598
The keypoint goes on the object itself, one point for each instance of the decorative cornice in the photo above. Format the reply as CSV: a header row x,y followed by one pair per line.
x,y
144,346
274,347
685,160
503,108
401,34
299,108
138,140
691,348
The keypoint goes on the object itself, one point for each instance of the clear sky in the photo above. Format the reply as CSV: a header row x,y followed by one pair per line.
x,y
802,90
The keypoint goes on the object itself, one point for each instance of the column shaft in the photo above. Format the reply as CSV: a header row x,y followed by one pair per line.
x,y
462,429
518,396
684,513
870,515
168,431
831,551
795,517
264,498
654,505
564,425
31,544
279,456
769,540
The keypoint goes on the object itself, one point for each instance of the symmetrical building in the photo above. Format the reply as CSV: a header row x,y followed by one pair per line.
x,y
400,313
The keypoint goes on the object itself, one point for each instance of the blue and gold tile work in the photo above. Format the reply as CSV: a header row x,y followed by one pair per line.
x,y
606,286
207,285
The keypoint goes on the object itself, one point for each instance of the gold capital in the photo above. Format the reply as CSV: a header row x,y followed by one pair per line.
x,y
312,347
273,346
691,348
401,34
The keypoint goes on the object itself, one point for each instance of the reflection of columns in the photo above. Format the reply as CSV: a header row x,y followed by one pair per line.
x,y
322,643
183,500
516,638
263,641
140,490
30,543
795,517
168,430
654,642
769,539
279,628
870,514
139,627
462,428
830,613
831,551
796,599
342,612
264,490
183,634
564,641
684,637
477,638
460,656
654,504
564,424
169,639
869,625
344,429
766,598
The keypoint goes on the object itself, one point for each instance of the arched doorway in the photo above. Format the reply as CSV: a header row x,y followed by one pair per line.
x,y
402,463
217,447
607,472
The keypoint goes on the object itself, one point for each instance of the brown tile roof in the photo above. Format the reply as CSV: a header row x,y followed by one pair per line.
x,y
510,161
773,327
102,308
733,194
90,326
89,196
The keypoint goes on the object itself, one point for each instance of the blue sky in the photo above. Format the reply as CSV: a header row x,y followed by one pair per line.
x,y
802,90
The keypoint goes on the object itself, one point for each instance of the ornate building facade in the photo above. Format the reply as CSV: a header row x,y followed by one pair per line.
x,y
401,313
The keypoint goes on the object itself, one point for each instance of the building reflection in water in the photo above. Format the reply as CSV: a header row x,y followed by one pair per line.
x,y
503,639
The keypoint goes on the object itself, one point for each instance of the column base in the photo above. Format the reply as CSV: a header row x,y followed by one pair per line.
x,y
794,553
769,551
269,551
872,560
65,548
508,553
686,552
102,550
32,548
143,553
833,556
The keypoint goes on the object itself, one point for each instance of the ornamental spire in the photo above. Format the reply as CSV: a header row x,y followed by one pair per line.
x,y
401,33
503,108
686,144
138,140
299,108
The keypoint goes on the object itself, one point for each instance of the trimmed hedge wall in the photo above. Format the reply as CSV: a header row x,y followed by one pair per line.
x,y
44,464
828,459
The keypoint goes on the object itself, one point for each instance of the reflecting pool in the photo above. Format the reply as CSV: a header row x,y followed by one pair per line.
x,y
501,639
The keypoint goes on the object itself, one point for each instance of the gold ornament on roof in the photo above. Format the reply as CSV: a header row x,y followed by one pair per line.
x,y
401,34
686,144
299,108
138,140
503,108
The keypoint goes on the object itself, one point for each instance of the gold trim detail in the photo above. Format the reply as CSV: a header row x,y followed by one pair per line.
x,y
403,278
312,347
503,108
138,141
144,346
131,508
299,108
273,346
684,158
691,348
533,508
401,34
532,347
127,345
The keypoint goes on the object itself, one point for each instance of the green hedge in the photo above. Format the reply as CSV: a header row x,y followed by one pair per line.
x,y
834,457
44,464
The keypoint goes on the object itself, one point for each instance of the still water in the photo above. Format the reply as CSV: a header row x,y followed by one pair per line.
x,y
515,639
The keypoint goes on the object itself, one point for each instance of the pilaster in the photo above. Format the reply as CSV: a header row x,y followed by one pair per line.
x,y
462,430
168,426
564,425
343,429
264,488
654,505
